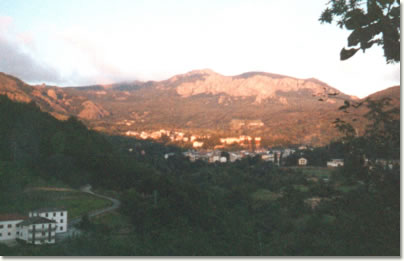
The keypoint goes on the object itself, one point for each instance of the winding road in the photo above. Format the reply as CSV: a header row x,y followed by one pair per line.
x,y
72,230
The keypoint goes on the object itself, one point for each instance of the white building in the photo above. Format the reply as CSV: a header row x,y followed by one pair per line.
x,y
287,152
335,163
131,133
223,159
8,226
167,155
37,230
58,215
268,157
40,227
302,161
234,156
197,144
214,158
303,147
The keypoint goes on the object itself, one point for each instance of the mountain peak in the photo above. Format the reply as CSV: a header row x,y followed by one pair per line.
x,y
258,73
260,85
202,71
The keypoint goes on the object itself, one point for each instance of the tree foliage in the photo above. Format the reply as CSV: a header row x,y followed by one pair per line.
x,y
371,22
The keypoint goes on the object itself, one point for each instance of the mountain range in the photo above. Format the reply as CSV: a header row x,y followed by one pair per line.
x,y
279,109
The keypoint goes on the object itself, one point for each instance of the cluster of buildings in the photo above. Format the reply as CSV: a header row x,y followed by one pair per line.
x,y
39,227
244,141
173,136
196,140
209,156
274,155
251,145
334,163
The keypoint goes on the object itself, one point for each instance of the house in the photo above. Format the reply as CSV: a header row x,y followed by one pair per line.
x,y
268,157
214,158
384,163
234,156
335,163
131,133
302,162
40,227
287,152
37,230
58,215
167,155
223,159
197,144
190,155
8,226
229,140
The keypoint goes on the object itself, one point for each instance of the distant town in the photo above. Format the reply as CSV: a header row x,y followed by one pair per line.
x,y
195,140
249,147
276,156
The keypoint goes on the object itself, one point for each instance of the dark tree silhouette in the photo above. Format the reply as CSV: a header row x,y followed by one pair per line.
x,y
371,22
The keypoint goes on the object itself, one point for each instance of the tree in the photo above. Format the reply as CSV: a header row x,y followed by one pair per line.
x,y
371,22
85,222
381,140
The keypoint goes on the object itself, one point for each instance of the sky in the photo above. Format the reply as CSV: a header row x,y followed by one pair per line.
x,y
75,42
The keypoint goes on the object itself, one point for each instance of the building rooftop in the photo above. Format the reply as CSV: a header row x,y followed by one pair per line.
x,y
9,217
41,210
36,220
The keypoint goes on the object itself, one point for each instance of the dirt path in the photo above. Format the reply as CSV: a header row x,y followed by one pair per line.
x,y
87,189
72,230
115,203
49,189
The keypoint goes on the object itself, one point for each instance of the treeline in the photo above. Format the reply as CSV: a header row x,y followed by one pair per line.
x,y
317,156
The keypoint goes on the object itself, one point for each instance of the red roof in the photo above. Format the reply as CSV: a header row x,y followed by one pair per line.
x,y
9,217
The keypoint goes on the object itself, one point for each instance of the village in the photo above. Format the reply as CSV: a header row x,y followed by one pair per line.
x,y
249,147
194,140
275,156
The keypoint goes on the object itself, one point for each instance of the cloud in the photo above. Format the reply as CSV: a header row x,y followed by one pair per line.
x,y
5,22
94,55
15,60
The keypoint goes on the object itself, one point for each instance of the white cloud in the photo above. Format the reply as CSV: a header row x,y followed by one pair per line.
x,y
17,61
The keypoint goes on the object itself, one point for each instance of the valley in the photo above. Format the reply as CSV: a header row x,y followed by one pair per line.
x,y
200,128
277,202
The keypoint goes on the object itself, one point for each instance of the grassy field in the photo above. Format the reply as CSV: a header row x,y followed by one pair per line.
x,y
301,188
115,221
346,188
77,203
264,195
316,172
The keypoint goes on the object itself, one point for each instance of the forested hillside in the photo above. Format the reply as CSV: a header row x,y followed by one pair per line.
x,y
61,150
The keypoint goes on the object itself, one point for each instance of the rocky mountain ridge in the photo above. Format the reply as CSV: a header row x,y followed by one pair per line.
x,y
257,84
288,110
